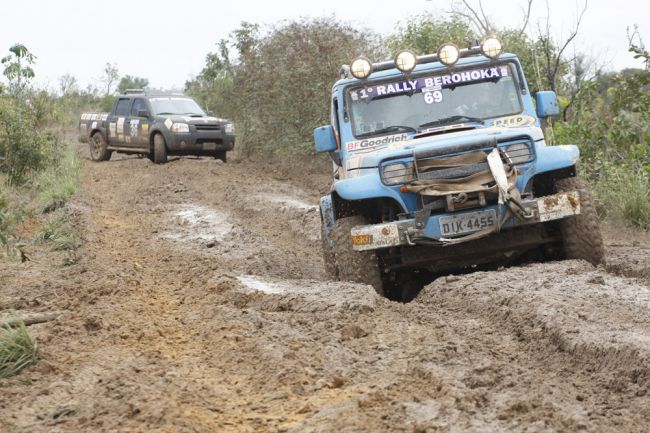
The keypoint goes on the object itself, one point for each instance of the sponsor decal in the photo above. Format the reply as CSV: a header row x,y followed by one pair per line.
x,y
112,129
94,125
514,121
104,116
134,127
168,123
430,86
145,128
370,144
120,125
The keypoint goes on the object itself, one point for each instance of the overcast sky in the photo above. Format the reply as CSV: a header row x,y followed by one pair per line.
x,y
166,41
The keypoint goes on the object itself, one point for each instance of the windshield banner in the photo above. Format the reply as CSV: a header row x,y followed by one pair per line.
x,y
430,83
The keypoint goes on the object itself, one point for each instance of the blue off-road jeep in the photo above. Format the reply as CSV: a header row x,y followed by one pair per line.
x,y
440,164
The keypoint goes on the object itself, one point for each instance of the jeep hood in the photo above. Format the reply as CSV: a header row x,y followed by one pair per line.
x,y
400,146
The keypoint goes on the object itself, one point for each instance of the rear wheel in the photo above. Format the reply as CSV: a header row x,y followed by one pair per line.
x,y
581,234
98,148
351,265
159,149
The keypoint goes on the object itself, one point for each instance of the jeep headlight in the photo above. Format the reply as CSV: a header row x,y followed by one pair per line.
x,y
180,127
397,173
229,128
518,153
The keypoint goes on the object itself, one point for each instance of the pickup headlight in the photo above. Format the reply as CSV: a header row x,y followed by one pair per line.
x,y
398,173
229,128
180,127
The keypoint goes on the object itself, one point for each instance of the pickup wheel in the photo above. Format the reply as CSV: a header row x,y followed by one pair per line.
x,y
98,148
159,149
351,265
328,254
220,154
581,234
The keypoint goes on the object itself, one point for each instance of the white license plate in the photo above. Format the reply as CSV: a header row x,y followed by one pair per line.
x,y
467,223
209,146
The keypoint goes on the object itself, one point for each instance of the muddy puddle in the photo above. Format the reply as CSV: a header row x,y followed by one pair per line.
x,y
192,223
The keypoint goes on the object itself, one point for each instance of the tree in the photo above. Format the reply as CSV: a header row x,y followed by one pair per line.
x,y
18,67
129,82
111,74
68,84
424,34
277,85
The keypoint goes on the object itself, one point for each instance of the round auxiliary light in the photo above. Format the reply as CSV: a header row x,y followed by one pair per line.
x,y
406,61
448,54
492,47
361,68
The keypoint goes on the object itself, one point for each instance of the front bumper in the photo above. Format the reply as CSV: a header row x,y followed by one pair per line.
x,y
411,232
201,142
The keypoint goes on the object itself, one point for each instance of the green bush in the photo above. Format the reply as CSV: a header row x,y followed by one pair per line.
x,y
58,231
624,194
17,349
23,148
58,181
5,221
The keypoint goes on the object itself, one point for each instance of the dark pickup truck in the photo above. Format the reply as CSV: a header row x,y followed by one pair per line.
x,y
156,125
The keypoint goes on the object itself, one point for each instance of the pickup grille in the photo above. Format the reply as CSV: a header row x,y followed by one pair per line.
x,y
207,127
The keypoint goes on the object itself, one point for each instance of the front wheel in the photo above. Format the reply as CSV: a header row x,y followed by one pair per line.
x,y
581,234
351,265
99,148
159,149
221,154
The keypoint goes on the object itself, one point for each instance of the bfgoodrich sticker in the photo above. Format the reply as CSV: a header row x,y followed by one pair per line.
x,y
369,144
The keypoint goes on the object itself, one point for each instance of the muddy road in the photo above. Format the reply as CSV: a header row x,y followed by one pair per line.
x,y
198,302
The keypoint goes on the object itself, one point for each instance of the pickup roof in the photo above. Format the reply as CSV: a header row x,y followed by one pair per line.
x,y
156,125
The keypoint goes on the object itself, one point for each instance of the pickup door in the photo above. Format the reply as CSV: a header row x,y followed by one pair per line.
x,y
117,120
136,128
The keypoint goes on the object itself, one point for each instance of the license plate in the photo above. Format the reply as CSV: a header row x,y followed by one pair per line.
x,y
467,223
209,146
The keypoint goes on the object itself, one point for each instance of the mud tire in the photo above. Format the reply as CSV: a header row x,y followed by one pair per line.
x,y
159,149
581,234
328,254
99,148
356,266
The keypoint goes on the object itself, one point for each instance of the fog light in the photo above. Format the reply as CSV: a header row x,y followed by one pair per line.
x,y
492,47
448,54
406,61
361,68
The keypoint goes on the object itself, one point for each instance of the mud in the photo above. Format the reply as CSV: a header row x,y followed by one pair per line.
x,y
199,302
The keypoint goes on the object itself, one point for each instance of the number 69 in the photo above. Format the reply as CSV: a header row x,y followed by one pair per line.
x,y
431,97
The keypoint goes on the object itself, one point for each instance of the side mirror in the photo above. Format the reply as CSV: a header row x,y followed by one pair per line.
x,y
547,104
324,139
209,113
143,113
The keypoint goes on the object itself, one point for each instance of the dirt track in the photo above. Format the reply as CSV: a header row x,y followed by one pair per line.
x,y
198,303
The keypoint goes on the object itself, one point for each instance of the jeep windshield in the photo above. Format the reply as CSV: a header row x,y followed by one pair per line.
x,y
425,101
179,106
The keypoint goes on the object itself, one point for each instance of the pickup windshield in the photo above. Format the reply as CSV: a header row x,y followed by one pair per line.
x,y
171,105
424,101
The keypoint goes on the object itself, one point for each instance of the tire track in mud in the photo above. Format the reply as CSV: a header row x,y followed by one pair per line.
x,y
199,304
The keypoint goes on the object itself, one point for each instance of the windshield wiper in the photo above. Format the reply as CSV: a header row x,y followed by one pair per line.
x,y
163,113
194,114
387,129
449,119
